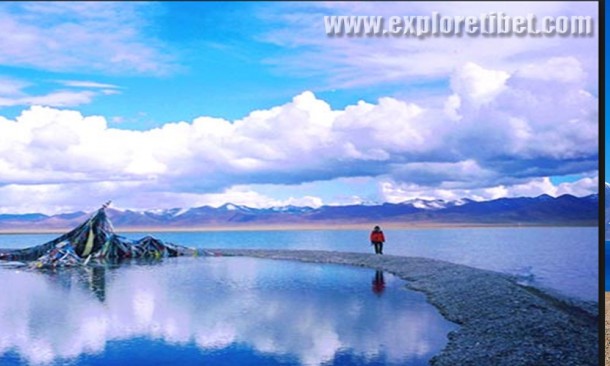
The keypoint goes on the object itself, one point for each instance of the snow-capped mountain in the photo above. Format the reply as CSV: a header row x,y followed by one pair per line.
x,y
541,210
435,204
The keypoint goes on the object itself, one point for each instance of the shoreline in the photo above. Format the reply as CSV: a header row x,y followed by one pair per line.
x,y
294,227
500,322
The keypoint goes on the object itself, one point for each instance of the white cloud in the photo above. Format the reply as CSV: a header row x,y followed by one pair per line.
x,y
110,91
396,192
508,133
581,187
242,195
11,86
54,99
87,84
354,62
13,92
59,36
563,69
477,84
432,173
88,196
309,201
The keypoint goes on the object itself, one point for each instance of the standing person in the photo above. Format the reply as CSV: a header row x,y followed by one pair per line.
x,y
377,240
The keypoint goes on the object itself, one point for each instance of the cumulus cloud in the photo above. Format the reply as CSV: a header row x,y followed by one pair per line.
x,y
477,84
581,187
397,192
512,129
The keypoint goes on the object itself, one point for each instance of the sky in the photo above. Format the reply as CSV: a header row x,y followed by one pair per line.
x,y
169,104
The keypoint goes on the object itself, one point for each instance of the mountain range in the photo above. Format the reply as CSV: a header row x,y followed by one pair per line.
x,y
541,210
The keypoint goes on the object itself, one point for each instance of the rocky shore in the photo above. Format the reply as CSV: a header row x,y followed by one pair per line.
x,y
501,322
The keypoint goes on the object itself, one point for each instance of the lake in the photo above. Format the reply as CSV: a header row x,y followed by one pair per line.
x,y
218,311
564,259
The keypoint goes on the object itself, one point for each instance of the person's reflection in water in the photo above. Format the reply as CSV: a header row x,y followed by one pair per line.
x,y
378,283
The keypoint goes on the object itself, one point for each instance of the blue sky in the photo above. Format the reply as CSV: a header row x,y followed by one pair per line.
x,y
206,103
217,64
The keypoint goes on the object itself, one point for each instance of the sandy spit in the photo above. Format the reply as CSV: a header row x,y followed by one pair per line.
x,y
501,322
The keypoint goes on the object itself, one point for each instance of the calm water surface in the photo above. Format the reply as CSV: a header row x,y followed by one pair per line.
x,y
560,258
217,311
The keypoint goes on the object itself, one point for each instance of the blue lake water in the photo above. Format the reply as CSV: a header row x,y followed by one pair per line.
x,y
216,311
564,259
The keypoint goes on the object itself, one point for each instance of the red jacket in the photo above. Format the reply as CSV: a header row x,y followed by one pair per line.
x,y
377,237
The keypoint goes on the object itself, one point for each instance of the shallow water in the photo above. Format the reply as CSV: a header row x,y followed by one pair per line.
x,y
564,259
216,310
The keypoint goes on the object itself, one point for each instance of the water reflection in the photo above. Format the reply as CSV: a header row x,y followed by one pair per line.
x,y
378,283
97,281
304,313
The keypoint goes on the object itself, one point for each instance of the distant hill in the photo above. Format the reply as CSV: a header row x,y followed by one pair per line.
x,y
541,210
